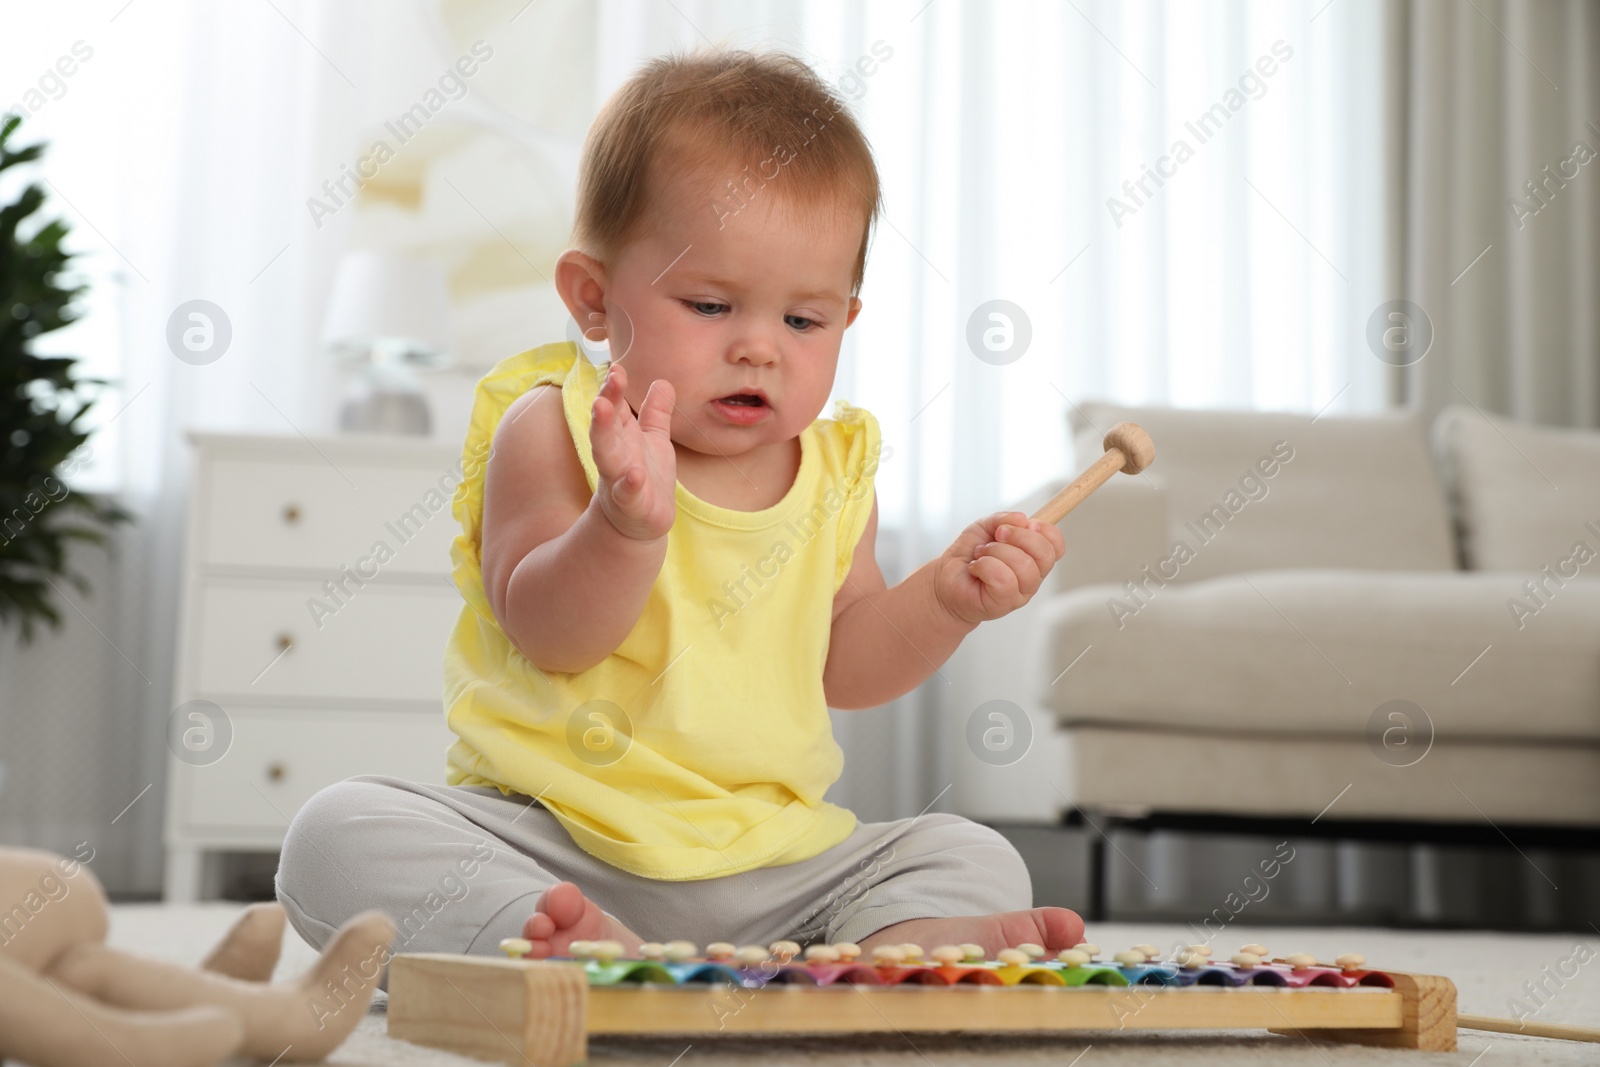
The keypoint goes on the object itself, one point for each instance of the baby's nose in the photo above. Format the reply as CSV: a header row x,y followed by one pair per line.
x,y
755,349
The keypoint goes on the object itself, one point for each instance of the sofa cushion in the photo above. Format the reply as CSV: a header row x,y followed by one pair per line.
x,y
1318,652
1250,491
1527,497
1526,782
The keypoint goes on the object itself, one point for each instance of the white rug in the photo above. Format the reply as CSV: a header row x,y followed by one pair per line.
x,y
1488,970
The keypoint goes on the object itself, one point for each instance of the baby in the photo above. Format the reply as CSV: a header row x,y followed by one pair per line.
x,y
669,574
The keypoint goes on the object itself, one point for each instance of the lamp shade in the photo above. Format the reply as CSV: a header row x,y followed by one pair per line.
x,y
386,301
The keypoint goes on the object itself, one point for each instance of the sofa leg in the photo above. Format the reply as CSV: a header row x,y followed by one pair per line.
x,y
1096,909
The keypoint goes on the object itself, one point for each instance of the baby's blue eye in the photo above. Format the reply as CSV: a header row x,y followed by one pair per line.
x,y
799,322
706,307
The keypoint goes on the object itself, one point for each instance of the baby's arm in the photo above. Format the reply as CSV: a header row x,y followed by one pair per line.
x,y
885,641
567,572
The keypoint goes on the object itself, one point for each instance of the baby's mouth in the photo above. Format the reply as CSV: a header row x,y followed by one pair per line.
x,y
743,399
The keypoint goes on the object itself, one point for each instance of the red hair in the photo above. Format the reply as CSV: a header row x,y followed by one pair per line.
x,y
768,113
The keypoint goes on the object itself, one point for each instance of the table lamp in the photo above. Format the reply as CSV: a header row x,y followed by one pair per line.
x,y
388,315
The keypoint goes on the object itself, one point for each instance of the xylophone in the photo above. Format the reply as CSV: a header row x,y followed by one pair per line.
x,y
541,1012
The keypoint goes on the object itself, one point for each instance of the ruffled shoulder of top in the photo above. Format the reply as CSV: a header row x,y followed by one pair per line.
x,y
851,449
558,363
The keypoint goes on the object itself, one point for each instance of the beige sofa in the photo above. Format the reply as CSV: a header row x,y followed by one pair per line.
x,y
1294,619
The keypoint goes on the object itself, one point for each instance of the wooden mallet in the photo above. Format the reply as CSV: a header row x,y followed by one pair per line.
x,y
1128,449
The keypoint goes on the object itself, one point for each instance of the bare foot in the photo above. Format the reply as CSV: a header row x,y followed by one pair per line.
x,y
1053,928
565,915
250,949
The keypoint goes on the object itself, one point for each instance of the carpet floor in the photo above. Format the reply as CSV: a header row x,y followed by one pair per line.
x,y
1488,970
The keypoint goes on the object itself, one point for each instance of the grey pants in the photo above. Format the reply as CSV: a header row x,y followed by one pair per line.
x,y
458,868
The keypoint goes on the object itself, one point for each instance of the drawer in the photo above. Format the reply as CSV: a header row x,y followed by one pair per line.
x,y
275,513
386,642
278,759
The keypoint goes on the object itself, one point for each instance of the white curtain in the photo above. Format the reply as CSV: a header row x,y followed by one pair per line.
x,y
1499,171
182,152
1016,143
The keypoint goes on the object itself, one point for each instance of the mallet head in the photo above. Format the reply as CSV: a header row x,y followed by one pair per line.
x,y
1134,444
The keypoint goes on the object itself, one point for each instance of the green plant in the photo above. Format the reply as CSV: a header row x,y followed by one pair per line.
x,y
42,410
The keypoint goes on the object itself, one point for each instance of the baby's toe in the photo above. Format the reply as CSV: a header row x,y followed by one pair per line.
x,y
563,903
1063,928
538,927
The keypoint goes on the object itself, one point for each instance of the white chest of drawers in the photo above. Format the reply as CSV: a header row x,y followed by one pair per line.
x,y
316,604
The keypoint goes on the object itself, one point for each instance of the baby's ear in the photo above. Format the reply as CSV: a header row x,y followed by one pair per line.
x,y
582,282
855,309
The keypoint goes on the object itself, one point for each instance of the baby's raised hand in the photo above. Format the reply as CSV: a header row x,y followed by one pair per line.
x,y
635,459
996,566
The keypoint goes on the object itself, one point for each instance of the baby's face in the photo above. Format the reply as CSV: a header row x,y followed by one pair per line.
x,y
721,302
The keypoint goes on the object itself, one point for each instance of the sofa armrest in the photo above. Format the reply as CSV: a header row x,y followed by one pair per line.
x,y
1111,536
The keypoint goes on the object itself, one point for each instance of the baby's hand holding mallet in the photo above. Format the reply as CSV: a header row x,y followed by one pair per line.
x,y
996,566
999,562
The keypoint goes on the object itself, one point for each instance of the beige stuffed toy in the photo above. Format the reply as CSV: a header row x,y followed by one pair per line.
x,y
67,1000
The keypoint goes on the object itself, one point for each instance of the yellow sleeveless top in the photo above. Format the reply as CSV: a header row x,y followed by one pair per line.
x,y
702,746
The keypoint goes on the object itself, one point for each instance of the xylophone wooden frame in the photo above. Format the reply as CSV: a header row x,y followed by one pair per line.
x,y
541,1013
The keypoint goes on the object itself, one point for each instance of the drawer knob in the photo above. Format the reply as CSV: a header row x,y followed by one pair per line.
x,y
291,514
276,772
285,642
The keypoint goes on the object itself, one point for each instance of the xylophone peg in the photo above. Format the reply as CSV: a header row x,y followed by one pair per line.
x,y
1151,953
680,951
652,950
1092,950
1256,950
888,956
1351,962
1190,960
947,955
608,951
785,950
1130,957
750,955
912,952
1204,950
1247,959
720,950
848,951
969,951
1073,957
1034,951
1012,957
821,954
581,950
516,947
1301,961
